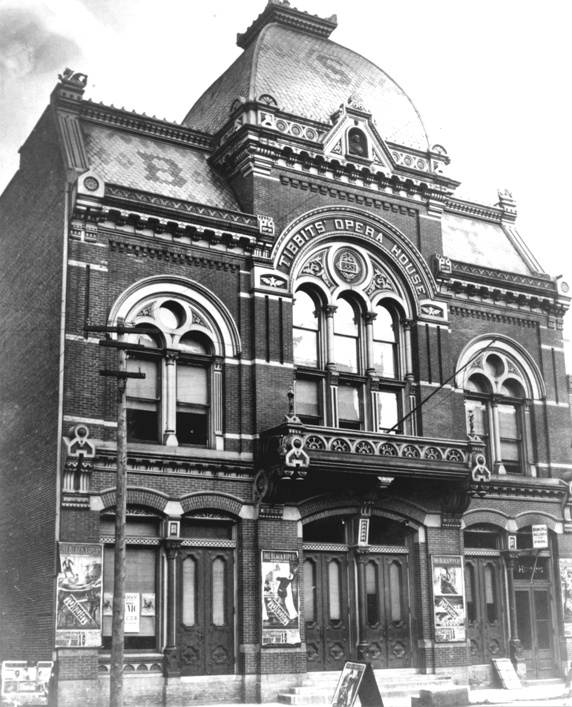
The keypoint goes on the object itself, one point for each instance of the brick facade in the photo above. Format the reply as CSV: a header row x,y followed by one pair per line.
x,y
88,240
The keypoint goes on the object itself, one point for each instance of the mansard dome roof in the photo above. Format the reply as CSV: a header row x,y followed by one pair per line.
x,y
288,56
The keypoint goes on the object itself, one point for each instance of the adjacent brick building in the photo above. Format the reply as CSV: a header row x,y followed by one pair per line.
x,y
353,433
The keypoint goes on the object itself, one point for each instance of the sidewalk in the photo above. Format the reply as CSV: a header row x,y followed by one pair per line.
x,y
532,695
555,695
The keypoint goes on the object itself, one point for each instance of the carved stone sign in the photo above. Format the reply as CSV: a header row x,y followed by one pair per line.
x,y
348,224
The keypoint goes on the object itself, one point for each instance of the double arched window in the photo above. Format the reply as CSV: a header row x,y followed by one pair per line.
x,y
497,405
347,362
186,334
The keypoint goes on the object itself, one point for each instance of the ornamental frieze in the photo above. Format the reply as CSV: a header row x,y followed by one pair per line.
x,y
352,225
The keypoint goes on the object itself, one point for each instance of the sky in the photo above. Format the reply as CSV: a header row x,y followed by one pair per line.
x,y
491,80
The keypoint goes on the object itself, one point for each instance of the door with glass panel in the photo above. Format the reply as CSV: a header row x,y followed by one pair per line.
x,y
206,614
386,607
534,626
326,613
484,615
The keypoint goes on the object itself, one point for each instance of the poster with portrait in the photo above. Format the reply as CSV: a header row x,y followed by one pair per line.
x,y
280,598
448,598
566,593
78,616
348,684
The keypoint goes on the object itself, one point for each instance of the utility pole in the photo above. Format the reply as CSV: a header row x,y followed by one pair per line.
x,y
118,617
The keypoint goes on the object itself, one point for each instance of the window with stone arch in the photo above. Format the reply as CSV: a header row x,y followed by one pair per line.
x,y
186,335
347,359
500,385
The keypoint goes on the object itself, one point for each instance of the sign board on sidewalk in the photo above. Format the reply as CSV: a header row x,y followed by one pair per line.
x,y
506,672
357,680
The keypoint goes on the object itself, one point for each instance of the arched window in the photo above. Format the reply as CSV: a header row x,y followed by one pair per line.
x,y
339,349
498,412
179,400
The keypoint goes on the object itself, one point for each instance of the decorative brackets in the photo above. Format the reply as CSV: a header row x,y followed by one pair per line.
x,y
79,452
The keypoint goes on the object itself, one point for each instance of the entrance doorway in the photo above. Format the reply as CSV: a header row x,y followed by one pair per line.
x,y
326,611
484,615
334,599
387,611
206,636
534,625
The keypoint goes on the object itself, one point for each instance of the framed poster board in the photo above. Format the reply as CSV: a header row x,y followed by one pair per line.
x,y
78,615
25,683
565,566
280,598
348,685
448,598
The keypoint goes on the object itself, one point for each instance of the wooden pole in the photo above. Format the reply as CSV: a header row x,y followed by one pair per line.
x,y
118,619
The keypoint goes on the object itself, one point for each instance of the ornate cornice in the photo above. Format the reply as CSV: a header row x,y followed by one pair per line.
x,y
492,316
469,208
144,125
248,147
340,194
171,255
544,284
140,463
516,488
282,13
480,286
165,206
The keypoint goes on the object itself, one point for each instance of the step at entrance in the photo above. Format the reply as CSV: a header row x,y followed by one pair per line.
x,y
319,688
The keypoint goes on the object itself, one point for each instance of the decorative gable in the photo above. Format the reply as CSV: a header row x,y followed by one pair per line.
x,y
354,138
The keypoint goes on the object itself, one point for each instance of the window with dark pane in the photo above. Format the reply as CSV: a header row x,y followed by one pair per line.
x,y
306,330
346,336
384,343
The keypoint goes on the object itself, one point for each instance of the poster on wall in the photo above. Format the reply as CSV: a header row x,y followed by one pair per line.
x,y
78,616
448,598
25,683
566,591
280,592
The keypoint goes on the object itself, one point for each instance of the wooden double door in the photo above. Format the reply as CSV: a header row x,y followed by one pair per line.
x,y
535,630
206,611
334,600
485,620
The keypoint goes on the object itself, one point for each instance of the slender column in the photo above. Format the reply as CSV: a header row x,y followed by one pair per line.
x,y
216,404
170,406
329,310
515,646
363,647
495,436
172,663
369,318
406,324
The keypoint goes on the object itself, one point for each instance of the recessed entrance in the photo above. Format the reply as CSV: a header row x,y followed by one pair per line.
x,y
340,597
534,623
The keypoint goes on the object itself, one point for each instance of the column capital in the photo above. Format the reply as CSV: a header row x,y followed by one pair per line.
x,y
369,317
330,309
171,357
172,548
